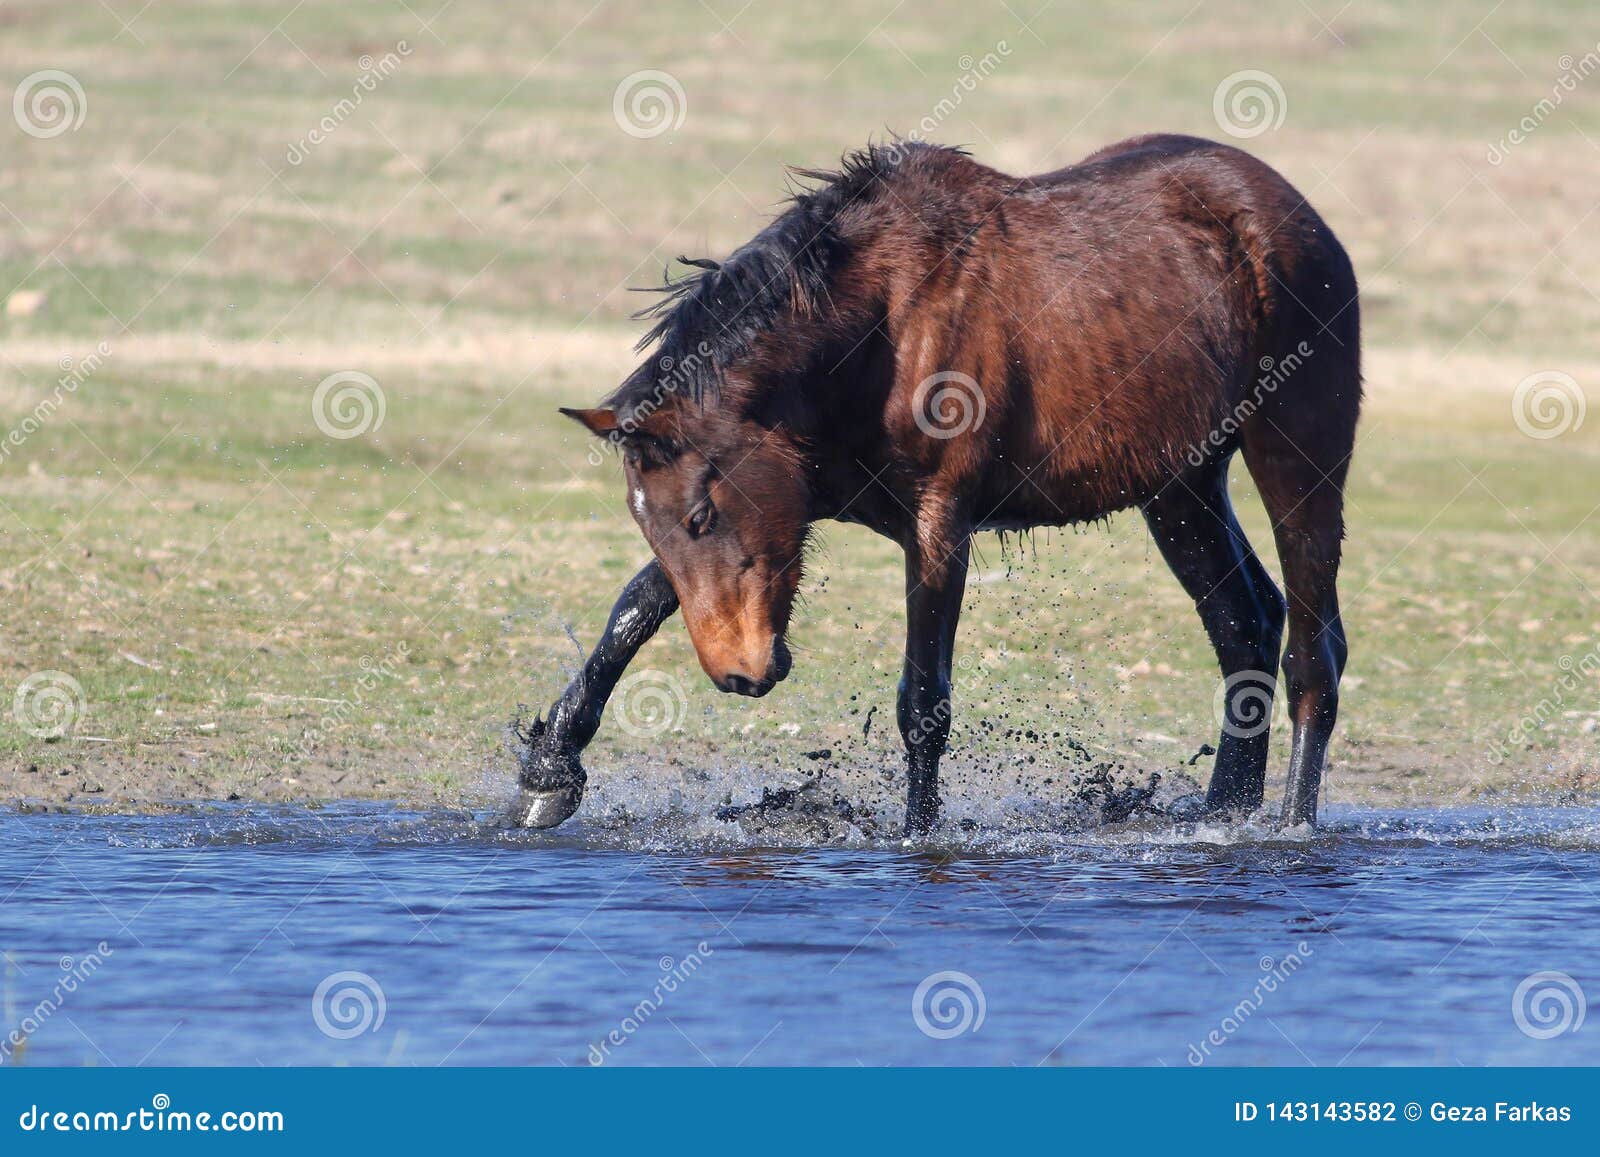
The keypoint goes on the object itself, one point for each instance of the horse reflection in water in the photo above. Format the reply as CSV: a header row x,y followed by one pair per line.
x,y
930,348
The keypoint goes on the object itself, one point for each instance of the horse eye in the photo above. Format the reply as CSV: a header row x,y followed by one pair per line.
x,y
702,520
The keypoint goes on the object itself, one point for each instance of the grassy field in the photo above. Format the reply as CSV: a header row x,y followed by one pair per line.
x,y
442,197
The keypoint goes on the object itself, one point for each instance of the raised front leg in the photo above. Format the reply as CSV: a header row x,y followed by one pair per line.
x,y
552,777
933,607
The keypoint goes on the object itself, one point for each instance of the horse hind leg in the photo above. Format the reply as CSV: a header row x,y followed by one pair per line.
x,y
1194,526
1301,481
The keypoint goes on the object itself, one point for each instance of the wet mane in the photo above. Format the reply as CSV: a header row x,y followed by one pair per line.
x,y
709,318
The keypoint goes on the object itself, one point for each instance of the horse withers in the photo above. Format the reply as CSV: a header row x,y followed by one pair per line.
x,y
930,348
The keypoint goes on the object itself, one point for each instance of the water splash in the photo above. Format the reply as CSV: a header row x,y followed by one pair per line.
x,y
740,809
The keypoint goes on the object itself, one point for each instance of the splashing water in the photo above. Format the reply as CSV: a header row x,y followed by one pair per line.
x,y
799,929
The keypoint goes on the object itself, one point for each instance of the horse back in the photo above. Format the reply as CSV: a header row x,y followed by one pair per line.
x,y
1134,302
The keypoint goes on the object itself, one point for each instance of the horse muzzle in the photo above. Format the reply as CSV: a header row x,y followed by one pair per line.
x,y
741,683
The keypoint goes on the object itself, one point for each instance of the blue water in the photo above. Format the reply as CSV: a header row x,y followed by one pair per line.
x,y
439,938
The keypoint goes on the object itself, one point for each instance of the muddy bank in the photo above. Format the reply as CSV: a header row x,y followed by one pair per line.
x,y
822,789
116,781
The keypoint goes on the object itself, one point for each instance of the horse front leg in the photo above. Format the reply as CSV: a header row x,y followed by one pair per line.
x,y
552,777
933,607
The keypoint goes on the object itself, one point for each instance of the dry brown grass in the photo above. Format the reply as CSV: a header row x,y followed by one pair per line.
x,y
212,569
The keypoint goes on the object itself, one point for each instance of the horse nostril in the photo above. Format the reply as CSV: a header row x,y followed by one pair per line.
x,y
743,685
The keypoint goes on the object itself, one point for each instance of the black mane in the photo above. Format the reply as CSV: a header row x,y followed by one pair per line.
x,y
709,318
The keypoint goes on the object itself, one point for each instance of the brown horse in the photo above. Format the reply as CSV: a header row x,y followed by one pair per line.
x,y
931,348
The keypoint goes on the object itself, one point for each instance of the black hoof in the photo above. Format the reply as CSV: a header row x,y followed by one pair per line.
x,y
546,809
552,779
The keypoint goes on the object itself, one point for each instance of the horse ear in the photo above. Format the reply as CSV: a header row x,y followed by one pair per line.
x,y
600,422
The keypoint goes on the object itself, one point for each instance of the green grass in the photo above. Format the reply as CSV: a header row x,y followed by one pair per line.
x,y
214,570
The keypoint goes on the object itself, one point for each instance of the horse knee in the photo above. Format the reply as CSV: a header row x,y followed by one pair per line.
x,y
923,709
1256,641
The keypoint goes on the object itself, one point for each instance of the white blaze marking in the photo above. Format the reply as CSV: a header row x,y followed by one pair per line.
x,y
638,500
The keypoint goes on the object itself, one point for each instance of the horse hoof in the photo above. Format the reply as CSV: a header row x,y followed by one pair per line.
x,y
547,809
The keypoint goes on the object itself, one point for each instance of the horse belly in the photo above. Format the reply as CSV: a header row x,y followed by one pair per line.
x,y
1016,497
1078,455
